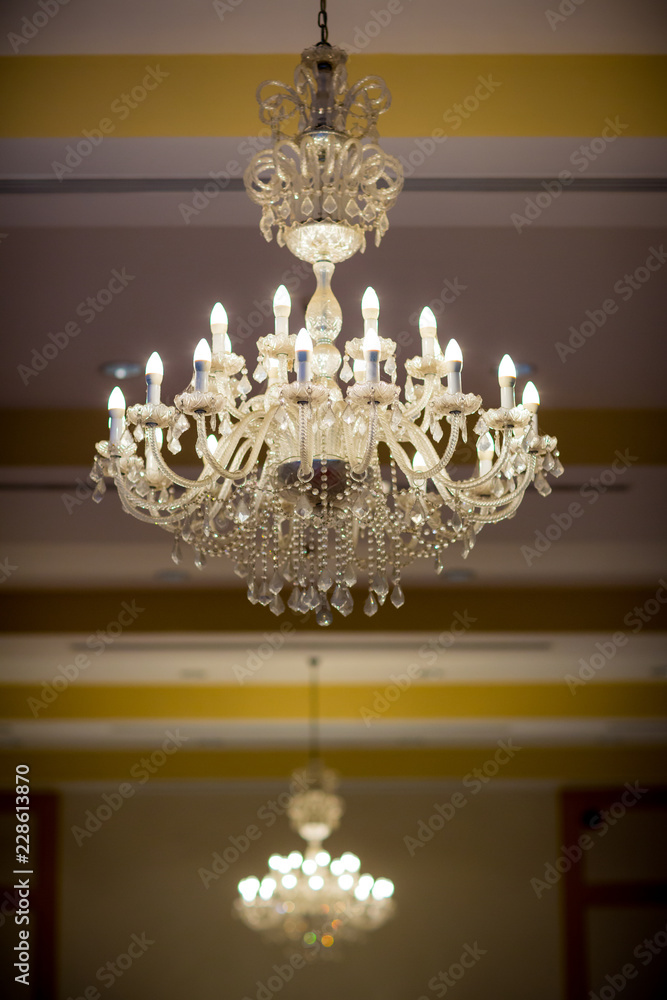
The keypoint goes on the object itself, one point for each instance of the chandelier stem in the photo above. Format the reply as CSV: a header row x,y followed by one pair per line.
x,y
314,754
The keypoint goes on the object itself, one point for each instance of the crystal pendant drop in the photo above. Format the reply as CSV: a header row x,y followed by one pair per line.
x,y
307,206
241,510
346,372
303,509
348,415
380,586
252,592
349,575
276,583
99,491
328,419
324,615
541,485
259,373
329,204
200,559
277,605
371,605
176,553
340,597
558,469
397,596
312,598
294,601
264,595
325,581
351,209
244,385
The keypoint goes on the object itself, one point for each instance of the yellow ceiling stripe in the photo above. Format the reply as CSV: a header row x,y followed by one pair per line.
x,y
97,701
571,764
214,95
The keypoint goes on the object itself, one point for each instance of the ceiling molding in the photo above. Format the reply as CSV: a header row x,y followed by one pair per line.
x,y
147,185
510,609
572,764
524,95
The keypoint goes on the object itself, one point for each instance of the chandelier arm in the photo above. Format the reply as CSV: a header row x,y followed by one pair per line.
x,y
218,469
493,471
305,473
411,411
422,475
169,473
126,499
370,441
517,492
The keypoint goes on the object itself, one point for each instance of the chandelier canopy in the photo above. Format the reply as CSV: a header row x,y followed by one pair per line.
x,y
329,475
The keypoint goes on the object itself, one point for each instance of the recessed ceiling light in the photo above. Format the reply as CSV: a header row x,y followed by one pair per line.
x,y
458,575
172,575
121,369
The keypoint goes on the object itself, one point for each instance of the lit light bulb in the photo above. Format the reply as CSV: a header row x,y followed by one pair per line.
x,y
282,303
295,859
352,862
370,304
530,397
383,889
309,867
154,367
506,381
372,347
219,321
159,437
453,353
428,329
362,892
116,400
346,881
304,350
323,858
485,446
248,888
267,888
366,881
337,867
212,443
419,463
316,882
202,364
359,369
506,368
289,881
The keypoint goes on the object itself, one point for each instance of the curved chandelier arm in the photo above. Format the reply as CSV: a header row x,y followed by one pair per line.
x,y
167,471
132,504
217,468
370,442
420,476
515,495
411,411
305,473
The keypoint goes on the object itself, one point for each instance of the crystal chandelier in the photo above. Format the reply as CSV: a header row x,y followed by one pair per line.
x,y
327,478
307,898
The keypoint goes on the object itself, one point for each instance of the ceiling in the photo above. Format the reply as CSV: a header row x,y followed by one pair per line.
x,y
521,287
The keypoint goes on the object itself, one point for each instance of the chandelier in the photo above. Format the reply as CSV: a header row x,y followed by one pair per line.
x,y
307,898
330,475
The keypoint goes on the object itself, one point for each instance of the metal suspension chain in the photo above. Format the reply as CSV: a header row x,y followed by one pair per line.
x,y
322,22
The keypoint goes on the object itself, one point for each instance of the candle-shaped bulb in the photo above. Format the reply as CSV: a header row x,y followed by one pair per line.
x,y
116,408
371,341
370,304
371,348
428,326
202,353
506,381
282,303
453,353
506,368
219,321
202,364
212,443
154,373
419,462
359,370
486,448
303,349
530,397
116,399
154,367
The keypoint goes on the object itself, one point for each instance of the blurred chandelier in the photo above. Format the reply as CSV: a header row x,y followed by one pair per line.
x,y
310,482
310,898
